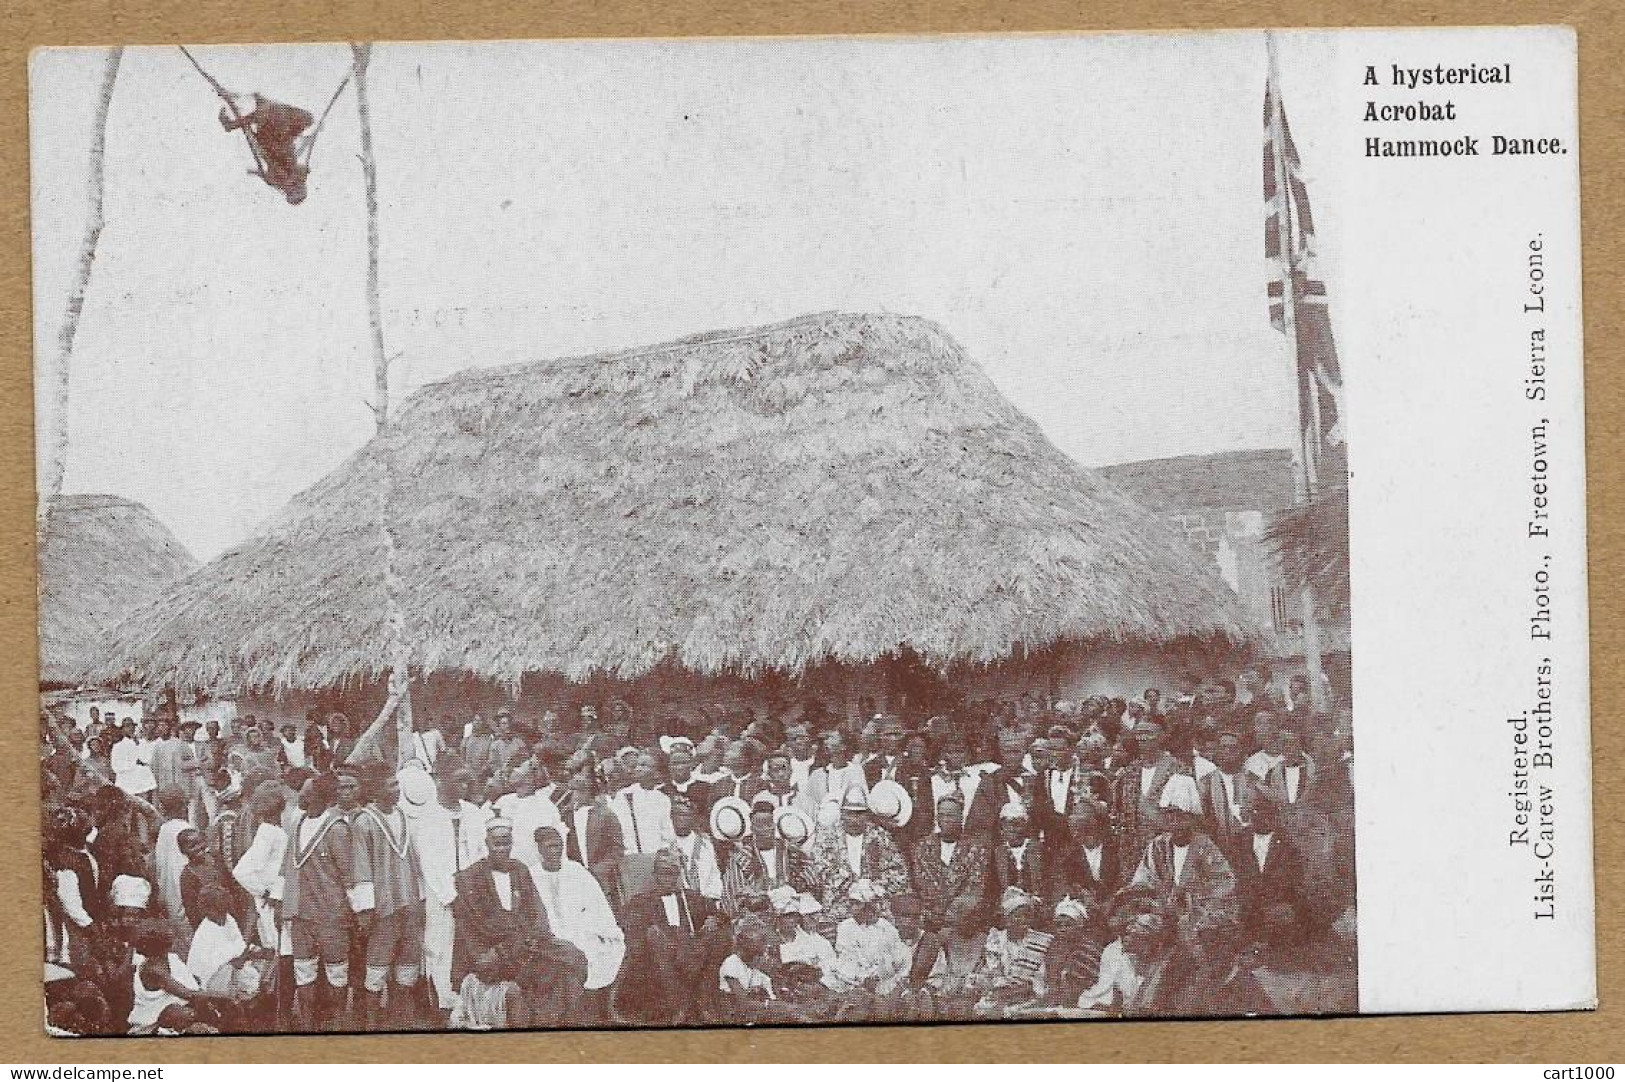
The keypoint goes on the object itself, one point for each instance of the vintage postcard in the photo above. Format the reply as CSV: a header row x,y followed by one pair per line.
x,y
567,534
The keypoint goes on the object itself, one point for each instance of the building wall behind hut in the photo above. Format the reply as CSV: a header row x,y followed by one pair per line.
x,y
78,706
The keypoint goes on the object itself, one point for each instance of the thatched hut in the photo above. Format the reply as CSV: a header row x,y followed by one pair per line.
x,y
101,558
810,501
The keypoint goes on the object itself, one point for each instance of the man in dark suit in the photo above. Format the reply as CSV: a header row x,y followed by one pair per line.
x,y
497,909
1088,862
1228,794
889,763
680,780
1270,881
1018,858
674,947
1139,791
1007,784
593,836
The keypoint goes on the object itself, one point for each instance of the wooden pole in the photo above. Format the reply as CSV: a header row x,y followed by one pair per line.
x,y
56,459
1306,465
400,656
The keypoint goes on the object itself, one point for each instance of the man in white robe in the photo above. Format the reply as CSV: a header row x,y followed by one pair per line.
x,y
528,809
449,835
579,913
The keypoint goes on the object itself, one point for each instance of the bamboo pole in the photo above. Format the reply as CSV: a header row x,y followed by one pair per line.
x,y
1307,452
56,459
400,656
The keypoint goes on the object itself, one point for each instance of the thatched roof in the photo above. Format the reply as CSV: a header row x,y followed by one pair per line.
x,y
102,557
833,488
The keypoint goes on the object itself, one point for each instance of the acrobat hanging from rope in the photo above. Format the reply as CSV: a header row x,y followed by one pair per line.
x,y
273,130
281,137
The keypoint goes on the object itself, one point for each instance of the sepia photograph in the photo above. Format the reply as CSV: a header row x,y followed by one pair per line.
x,y
596,534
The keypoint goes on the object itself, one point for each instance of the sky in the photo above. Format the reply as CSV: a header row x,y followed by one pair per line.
x,y
1083,214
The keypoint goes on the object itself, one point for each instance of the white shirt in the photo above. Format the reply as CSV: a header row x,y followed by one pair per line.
x,y
1060,784
948,851
1019,855
132,769
1291,776
1117,977
581,831
293,750
1180,853
427,745
752,979
1261,848
809,949
529,814
800,771
1146,774
702,860
1203,766
504,887
674,917
968,781
645,816
1229,781
770,859
854,853
1093,856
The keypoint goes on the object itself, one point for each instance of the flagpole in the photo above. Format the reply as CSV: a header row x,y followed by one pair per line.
x,y
1305,464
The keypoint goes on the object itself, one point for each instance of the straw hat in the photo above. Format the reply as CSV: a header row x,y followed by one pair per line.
x,y
730,819
793,825
891,801
417,788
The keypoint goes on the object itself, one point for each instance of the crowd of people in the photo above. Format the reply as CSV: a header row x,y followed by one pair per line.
x,y
1188,855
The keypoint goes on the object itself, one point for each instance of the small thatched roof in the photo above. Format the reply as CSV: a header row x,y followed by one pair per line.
x,y
833,488
102,557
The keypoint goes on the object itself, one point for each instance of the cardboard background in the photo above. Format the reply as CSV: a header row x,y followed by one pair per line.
x,y
1579,1038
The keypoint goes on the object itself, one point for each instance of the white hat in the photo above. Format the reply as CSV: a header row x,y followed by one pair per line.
x,y
1015,898
730,819
417,788
1181,793
865,890
854,799
131,892
888,800
667,743
792,825
499,822
1070,907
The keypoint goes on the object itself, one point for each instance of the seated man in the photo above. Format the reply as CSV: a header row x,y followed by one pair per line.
x,y
674,946
274,130
579,913
498,907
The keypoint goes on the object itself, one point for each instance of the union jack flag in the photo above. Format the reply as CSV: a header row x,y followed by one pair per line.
x,y
1318,370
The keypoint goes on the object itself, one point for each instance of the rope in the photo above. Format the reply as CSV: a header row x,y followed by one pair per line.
x,y
310,140
231,105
